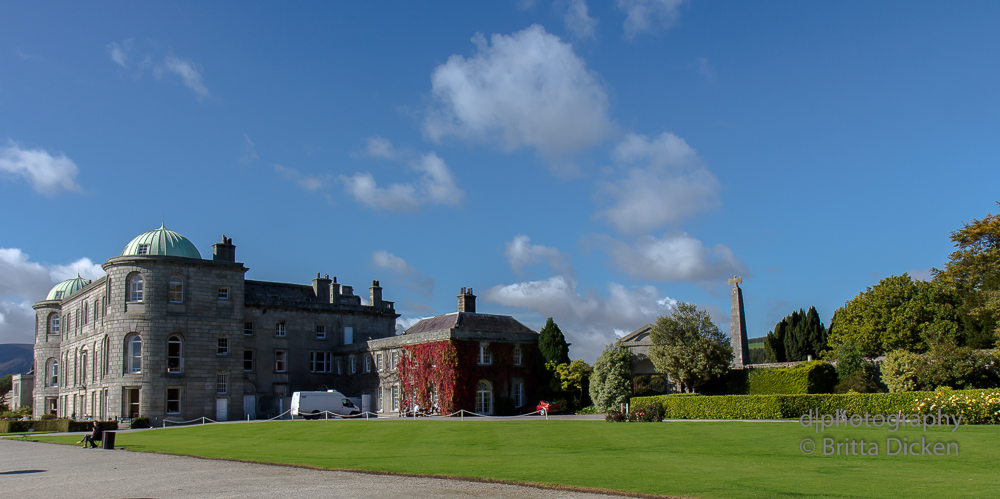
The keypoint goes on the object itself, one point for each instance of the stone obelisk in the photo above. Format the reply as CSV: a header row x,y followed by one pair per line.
x,y
738,326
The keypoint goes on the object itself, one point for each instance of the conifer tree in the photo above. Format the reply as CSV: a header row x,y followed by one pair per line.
x,y
552,344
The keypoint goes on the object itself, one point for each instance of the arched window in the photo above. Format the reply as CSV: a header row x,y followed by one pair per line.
x,y
175,290
53,371
54,324
83,368
174,354
135,288
484,397
133,354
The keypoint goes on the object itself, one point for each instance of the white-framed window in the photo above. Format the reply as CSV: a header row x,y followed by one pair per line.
x,y
518,393
352,364
223,346
221,383
348,335
368,363
173,400
394,395
86,312
106,347
223,293
279,329
248,329
394,357
53,371
83,368
281,391
143,249
135,288
484,397
378,400
175,290
279,361
133,354
517,355
320,362
320,332
174,347
248,360
379,361
54,324
485,358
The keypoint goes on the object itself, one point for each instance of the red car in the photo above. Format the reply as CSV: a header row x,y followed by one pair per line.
x,y
547,407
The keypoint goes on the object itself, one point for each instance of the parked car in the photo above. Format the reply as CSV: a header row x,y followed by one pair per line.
x,y
547,407
311,405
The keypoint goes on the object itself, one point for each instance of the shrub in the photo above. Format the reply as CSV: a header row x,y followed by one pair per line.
x,y
615,416
51,426
588,410
140,422
47,416
810,377
780,406
646,413
899,371
975,406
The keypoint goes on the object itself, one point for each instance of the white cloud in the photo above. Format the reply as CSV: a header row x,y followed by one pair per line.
x,y
189,73
661,181
706,70
436,186
588,320
647,16
309,183
119,53
404,323
675,257
520,253
249,150
379,147
528,89
48,174
23,282
411,277
577,19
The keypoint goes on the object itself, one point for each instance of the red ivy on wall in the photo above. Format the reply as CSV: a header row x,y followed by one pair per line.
x,y
427,366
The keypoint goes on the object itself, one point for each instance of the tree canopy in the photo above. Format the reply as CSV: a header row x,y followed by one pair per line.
x,y
689,347
611,380
552,344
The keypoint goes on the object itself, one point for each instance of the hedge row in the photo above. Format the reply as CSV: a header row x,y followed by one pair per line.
x,y
52,425
683,406
808,377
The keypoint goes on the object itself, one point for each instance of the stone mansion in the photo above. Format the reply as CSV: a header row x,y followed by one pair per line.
x,y
167,334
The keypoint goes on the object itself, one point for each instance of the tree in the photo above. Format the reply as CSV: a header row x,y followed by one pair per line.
x,y
552,343
611,380
898,313
572,376
689,347
854,371
796,337
6,383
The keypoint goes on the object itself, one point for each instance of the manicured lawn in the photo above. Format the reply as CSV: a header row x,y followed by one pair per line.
x,y
696,459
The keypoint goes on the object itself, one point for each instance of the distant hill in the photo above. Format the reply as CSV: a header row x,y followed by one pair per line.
x,y
16,358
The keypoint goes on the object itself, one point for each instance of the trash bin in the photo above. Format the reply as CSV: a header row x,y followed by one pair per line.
x,y
108,440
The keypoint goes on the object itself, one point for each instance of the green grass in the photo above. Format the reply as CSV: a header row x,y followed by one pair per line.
x,y
694,459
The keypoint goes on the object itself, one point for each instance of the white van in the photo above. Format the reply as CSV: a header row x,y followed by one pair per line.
x,y
310,405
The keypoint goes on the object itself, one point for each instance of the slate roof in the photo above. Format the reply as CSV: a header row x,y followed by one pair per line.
x,y
639,336
466,321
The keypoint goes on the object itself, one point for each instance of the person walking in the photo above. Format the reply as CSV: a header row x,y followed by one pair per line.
x,y
96,436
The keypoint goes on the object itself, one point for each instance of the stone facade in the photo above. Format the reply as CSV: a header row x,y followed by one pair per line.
x,y
21,389
219,346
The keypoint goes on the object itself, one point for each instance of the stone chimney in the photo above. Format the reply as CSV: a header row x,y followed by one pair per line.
x,y
375,295
321,287
467,301
224,251
334,291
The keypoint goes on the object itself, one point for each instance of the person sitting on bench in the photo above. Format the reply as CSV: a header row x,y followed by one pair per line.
x,y
94,437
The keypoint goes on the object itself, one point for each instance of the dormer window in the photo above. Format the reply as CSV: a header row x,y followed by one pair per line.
x,y
59,295
143,249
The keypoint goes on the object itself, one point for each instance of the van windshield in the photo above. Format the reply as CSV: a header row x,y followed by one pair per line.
x,y
348,403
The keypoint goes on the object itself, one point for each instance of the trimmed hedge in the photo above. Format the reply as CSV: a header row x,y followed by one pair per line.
x,y
782,406
808,377
52,425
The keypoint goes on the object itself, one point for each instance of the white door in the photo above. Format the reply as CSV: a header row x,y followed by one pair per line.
x,y
221,409
250,406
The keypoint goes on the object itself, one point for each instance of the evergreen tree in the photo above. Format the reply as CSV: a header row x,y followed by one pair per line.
x,y
796,337
552,344
611,380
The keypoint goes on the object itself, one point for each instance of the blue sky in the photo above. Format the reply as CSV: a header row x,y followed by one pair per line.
x,y
589,161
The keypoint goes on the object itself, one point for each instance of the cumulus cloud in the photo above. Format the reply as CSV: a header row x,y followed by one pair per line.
x,y
23,282
189,72
659,181
521,253
647,16
674,257
307,182
410,277
578,20
436,187
380,147
527,89
47,174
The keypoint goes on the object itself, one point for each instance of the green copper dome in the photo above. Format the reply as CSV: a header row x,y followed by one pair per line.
x,y
161,242
66,288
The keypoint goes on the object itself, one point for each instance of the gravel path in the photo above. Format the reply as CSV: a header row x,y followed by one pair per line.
x,y
50,471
